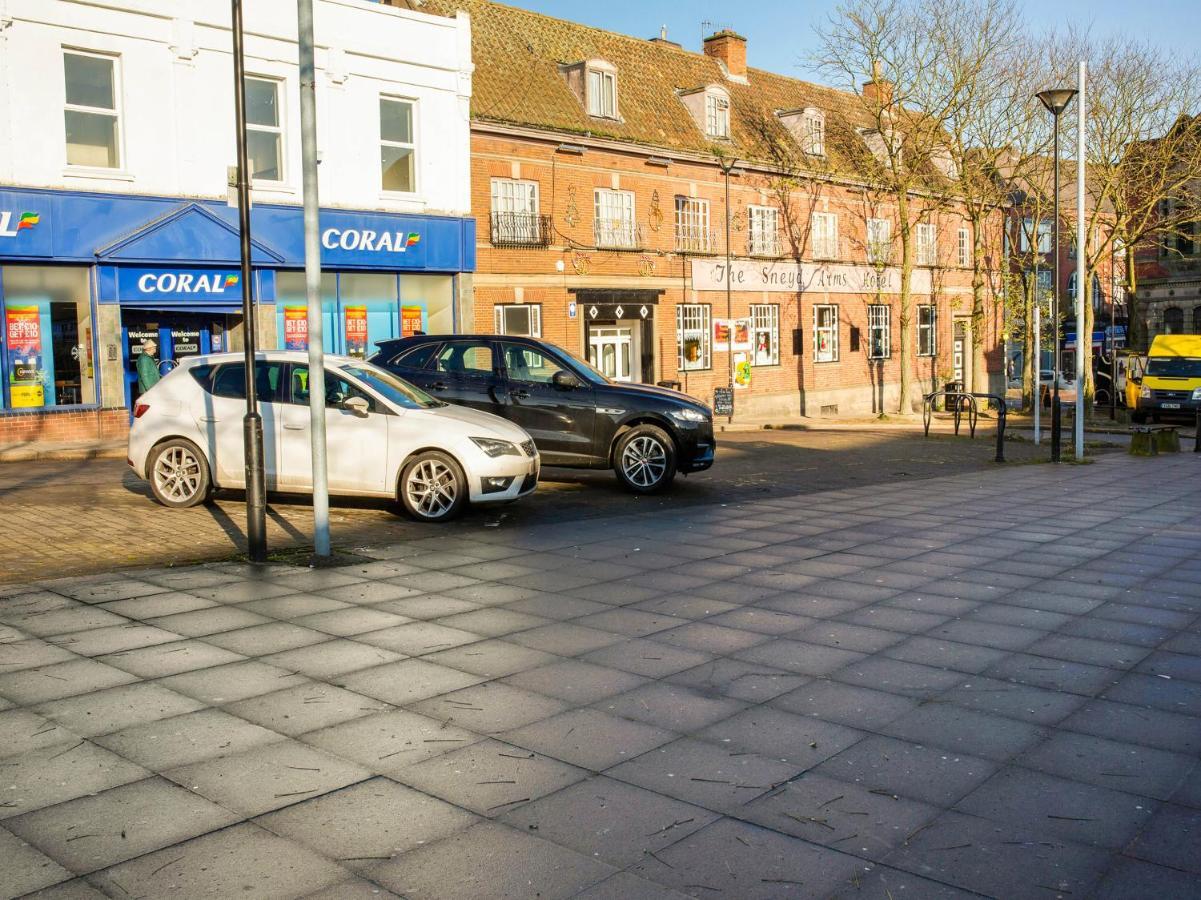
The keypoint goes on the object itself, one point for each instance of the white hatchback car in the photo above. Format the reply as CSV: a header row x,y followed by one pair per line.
x,y
384,437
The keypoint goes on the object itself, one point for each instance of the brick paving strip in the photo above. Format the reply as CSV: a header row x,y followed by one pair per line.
x,y
985,684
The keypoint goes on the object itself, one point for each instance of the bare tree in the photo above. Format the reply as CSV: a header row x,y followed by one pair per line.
x,y
994,136
904,110
1135,156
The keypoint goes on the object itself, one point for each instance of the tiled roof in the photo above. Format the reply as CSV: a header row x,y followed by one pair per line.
x,y
518,56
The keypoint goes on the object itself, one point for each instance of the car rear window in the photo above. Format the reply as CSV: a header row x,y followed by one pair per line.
x,y
230,380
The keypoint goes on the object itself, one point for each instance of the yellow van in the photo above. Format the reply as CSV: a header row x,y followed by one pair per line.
x,y
1170,386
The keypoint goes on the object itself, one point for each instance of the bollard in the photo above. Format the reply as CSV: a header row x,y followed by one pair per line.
x,y
1001,412
1056,425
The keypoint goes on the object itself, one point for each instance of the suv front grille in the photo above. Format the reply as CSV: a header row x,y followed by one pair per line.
x,y
528,448
1171,395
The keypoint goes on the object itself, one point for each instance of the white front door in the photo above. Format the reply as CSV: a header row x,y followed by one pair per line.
x,y
611,350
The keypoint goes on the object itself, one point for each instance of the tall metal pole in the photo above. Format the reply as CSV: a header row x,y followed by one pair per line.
x,y
1082,281
312,277
1038,357
726,167
1113,340
252,424
1056,412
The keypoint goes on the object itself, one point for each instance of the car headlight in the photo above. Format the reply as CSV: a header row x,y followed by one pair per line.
x,y
689,415
495,448
1145,393
1197,393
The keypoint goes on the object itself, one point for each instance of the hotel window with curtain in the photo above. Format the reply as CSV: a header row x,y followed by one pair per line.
x,y
825,333
693,337
879,331
927,244
824,235
765,325
764,233
92,111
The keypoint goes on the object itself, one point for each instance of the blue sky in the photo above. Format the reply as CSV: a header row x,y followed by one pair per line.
x,y
780,32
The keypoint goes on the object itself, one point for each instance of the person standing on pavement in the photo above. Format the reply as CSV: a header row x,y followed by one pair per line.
x,y
147,365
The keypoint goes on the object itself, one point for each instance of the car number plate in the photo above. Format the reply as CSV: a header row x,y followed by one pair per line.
x,y
1169,406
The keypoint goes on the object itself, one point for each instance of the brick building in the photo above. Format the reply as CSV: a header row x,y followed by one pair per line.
x,y
600,170
1169,265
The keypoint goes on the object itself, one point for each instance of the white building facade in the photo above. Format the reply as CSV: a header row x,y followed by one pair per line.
x,y
116,142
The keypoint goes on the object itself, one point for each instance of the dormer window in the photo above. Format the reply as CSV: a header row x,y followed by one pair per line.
x,y
602,90
808,128
813,140
717,115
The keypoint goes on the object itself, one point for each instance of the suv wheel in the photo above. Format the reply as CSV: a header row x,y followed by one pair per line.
x,y
645,459
433,487
179,474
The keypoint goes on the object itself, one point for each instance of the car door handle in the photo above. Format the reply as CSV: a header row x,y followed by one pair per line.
x,y
438,386
519,394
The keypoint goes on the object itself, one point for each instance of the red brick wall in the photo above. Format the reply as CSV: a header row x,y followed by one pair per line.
x,y
62,426
566,185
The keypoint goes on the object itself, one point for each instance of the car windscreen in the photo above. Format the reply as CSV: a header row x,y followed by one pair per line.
x,y
397,390
583,369
1174,367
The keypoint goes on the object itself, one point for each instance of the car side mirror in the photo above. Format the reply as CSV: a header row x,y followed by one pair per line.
x,y
357,405
1137,379
565,381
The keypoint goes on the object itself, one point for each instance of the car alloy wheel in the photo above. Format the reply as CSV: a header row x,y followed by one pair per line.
x,y
432,488
179,476
644,461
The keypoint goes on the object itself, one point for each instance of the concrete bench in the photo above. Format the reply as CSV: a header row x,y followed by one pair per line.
x,y
1151,440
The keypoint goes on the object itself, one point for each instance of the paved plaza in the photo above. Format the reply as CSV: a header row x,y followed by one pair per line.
x,y
981,684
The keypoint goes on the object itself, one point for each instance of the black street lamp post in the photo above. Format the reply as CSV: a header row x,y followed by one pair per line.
x,y
1056,101
252,424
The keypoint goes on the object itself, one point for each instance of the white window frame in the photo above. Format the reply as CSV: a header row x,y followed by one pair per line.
x,y
815,132
620,231
830,354
927,244
277,129
694,319
602,104
965,248
763,231
115,113
501,310
717,115
824,230
879,241
1043,236
879,320
410,145
1045,283
765,318
927,332
693,232
519,199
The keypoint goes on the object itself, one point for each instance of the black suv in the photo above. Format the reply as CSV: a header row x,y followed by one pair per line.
x,y
576,416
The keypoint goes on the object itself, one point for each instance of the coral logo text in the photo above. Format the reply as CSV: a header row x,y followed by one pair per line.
x,y
370,241
186,282
25,222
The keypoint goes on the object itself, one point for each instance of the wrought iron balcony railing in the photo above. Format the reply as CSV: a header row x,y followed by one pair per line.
x,y
618,234
520,230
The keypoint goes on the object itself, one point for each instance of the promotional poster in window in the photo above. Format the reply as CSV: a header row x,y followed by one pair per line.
x,y
23,331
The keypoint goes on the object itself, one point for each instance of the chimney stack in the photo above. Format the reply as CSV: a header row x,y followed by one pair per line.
x,y
878,91
729,49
